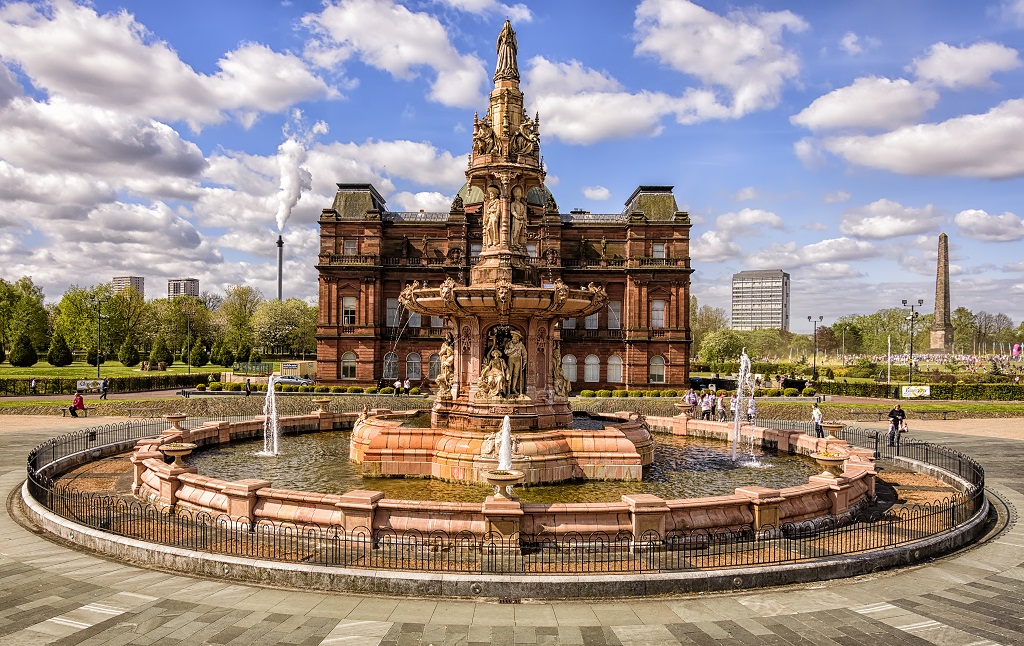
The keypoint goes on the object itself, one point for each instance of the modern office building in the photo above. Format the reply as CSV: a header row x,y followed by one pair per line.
x,y
121,283
639,256
760,300
182,287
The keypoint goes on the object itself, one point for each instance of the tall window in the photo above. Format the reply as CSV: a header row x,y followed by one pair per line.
x,y
474,251
658,250
350,247
348,365
436,321
656,370
390,366
658,314
434,367
569,367
614,315
412,367
531,249
591,322
592,368
615,369
414,319
348,310
568,324
392,312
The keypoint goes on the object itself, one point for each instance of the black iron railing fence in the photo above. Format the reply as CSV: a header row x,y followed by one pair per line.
x,y
599,552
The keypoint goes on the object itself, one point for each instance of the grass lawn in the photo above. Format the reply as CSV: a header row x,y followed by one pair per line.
x,y
82,370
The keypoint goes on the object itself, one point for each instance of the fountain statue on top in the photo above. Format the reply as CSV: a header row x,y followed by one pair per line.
x,y
501,361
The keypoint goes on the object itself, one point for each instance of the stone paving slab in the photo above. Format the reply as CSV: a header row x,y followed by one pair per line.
x,y
52,594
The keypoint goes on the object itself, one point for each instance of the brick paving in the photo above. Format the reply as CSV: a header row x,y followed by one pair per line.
x,y
54,594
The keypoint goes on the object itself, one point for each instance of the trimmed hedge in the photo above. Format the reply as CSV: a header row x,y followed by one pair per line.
x,y
133,383
791,392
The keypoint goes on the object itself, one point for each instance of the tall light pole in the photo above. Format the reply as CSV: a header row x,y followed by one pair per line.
x,y
188,340
913,317
99,317
814,369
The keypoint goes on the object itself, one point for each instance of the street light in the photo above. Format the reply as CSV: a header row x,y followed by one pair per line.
x,y
814,368
913,317
99,317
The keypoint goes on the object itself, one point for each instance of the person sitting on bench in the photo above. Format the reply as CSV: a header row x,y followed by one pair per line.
x,y
77,405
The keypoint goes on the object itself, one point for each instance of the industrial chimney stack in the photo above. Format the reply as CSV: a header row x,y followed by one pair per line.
x,y
280,264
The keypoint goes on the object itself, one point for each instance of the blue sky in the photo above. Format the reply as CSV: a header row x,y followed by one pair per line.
x,y
832,140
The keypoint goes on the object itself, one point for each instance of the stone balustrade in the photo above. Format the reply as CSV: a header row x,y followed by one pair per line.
x,y
256,501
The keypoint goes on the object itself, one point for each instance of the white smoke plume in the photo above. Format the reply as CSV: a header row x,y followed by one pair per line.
x,y
291,155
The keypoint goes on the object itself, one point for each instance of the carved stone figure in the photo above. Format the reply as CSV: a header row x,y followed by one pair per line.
x,y
518,207
503,296
447,291
604,248
490,444
492,219
493,375
408,295
507,67
446,376
457,204
484,139
525,140
558,378
515,352
561,293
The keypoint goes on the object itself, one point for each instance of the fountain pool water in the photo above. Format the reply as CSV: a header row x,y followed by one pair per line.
x,y
683,467
271,428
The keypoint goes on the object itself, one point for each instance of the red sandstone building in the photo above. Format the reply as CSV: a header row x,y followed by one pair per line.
x,y
641,257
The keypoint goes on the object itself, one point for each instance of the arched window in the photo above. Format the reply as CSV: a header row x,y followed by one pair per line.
x,y
592,368
390,366
434,368
569,367
412,367
656,370
348,365
615,369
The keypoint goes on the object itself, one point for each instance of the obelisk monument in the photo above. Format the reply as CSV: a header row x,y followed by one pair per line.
x,y
942,328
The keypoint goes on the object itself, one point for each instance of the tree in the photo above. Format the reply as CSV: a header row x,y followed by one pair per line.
x,y
848,334
720,346
704,320
23,354
22,312
235,314
160,353
59,354
227,357
764,343
129,353
90,356
965,329
129,315
198,357
3,355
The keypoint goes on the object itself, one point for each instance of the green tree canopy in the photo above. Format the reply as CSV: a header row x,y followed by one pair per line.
x,y
703,321
160,352
128,355
22,312
59,354
23,354
235,314
721,346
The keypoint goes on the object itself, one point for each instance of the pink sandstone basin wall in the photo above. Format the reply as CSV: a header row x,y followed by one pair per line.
x,y
256,501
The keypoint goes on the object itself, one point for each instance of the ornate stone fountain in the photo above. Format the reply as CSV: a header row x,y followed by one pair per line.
x,y
502,356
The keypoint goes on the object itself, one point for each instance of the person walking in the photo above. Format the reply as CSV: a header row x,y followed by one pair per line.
x,y
816,417
734,405
705,406
32,387
721,406
751,411
248,387
104,386
897,421
407,386
398,387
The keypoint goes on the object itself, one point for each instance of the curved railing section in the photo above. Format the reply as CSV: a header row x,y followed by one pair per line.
x,y
866,530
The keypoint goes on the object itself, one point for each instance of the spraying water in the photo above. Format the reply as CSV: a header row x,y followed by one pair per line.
x,y
271,431
505,445
743,382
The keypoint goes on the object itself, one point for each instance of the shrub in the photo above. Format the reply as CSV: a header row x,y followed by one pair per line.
x,y
200,387
304,389
160,353
415,390
90,357
773,392
128,355
620,393
371,390
227,357
587,393
23,354
216,386
387,390
809,392
604,393
791,392
233,387
652,393
255,356
636,393
59,354
198,356
669,393
353,389
322,389
288,388
338,389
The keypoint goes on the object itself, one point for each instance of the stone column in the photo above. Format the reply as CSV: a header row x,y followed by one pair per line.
x,y
241,496
764,503
942,328
648,514
358,507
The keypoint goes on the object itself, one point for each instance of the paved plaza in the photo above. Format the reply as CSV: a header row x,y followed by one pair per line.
x,y
55,594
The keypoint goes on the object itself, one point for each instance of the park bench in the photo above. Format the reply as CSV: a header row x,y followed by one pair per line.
x,y
878,415
82,413
923,414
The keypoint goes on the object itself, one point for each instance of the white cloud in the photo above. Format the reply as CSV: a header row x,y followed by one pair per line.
x,y
713,247
516,13
834,271
790,255
741,51
392,38
748,222
973,145
111,61
848,43
809,153
836,196
596,193
887,219
870,102
430,201
1014,10
977,224
961,67
746,193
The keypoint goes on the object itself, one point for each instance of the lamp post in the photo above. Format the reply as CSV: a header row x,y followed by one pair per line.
x,y
913,317
99,317
814,368
188,341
